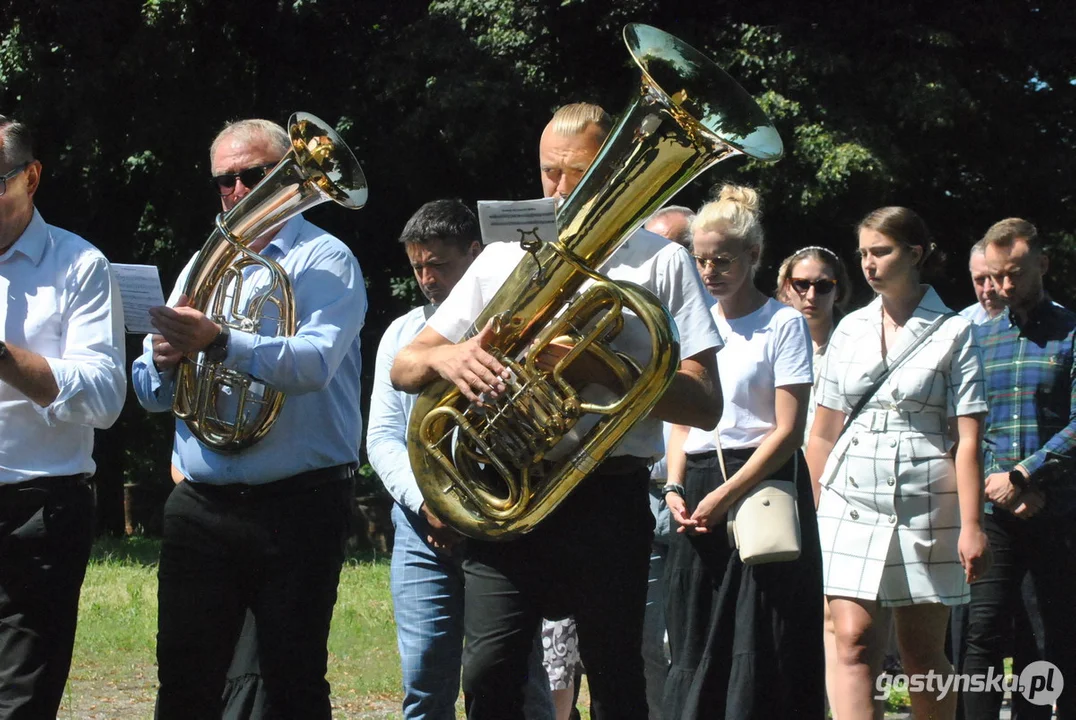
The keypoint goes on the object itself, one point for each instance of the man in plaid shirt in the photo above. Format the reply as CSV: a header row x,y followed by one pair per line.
x,y
1029,448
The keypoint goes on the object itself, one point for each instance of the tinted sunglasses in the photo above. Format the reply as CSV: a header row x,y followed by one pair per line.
x,y
721,264
822,287
225,184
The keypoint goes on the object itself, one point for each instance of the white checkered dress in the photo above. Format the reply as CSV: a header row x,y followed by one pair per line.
x,y
888,518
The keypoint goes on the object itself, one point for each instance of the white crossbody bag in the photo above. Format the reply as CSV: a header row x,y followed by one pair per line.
x,y
764,525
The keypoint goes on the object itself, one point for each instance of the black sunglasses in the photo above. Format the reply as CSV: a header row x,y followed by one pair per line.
x,y
823,287
225,184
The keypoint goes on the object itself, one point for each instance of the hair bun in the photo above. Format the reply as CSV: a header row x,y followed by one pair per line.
x,y
743,196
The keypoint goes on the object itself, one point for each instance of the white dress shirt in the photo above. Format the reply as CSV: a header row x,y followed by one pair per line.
x,y
390,411
58,299
662,267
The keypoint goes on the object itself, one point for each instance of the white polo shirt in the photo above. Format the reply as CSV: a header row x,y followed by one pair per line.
x,y
662,267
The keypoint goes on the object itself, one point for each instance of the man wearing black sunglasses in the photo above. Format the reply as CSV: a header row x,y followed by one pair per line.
x,y
61,376
264,528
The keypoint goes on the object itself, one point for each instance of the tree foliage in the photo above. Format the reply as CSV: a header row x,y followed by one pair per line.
x,y
963,111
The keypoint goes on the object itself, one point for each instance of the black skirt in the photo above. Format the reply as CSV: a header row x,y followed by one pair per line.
x,y
746,641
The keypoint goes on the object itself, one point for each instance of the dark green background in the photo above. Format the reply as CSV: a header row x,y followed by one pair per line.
x,y
962,110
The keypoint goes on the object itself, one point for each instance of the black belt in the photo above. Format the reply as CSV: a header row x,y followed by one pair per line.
x,y
619,465
622,464
740,453
286,486
47,482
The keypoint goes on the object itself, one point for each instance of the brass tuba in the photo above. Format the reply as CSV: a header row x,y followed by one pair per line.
x,y
225,409
487,470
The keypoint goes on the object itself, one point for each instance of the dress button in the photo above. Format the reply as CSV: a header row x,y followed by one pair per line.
x,y
891,481
892,443
852,482
892,519
854,514
855,441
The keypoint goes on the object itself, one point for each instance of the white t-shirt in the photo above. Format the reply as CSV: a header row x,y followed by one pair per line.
x,y
765,350
662,267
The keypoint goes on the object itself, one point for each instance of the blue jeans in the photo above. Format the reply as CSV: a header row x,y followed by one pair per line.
x,y
655,654
427,597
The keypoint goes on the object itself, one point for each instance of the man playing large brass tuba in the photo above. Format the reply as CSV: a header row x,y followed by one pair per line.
x,y
589,558
264,527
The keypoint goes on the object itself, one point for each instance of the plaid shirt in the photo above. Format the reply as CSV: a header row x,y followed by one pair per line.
x,y
1031,387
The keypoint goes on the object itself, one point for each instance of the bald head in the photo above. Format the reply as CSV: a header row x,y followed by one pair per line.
x,y
673,223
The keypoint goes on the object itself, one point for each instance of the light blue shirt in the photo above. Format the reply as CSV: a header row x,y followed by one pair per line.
x,y
317,369
975,314
390,411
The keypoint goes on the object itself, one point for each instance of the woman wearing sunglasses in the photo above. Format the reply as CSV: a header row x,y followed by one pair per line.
x,y
900,509
814,281
745,639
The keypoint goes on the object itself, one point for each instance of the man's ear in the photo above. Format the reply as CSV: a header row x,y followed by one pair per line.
x,y
33,177
475,249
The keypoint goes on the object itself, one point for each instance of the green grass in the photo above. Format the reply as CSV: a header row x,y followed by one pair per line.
x,y
114,660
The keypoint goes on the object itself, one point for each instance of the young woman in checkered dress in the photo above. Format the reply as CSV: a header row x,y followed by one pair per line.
x,y
900,509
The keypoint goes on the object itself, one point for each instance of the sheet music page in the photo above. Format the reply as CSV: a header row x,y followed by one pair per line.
x,y
140,289
513,220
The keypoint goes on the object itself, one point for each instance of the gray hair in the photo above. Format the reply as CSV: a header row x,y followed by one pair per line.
x,y
18,141
251,130
689,216
978,248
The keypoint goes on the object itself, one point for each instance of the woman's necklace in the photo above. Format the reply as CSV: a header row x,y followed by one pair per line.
x,y
890,323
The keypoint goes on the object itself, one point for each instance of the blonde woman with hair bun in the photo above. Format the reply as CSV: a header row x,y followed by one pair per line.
x,y
746,641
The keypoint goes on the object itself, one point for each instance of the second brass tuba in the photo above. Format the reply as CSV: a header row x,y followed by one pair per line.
x,y
225,409
487,471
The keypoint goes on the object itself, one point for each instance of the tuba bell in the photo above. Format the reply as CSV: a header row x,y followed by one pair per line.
x,y
225,409
491,471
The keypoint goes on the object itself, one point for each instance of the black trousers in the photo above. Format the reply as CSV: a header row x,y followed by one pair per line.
x,y
589,559
277,553
46,530
244,693
1042,550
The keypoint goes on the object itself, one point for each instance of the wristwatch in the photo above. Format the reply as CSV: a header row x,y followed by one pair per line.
x,y
1018,480
217,350
673,488
3,350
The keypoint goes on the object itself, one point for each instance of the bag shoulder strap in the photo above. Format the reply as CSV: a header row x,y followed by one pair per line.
x,y
721,459
866,397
